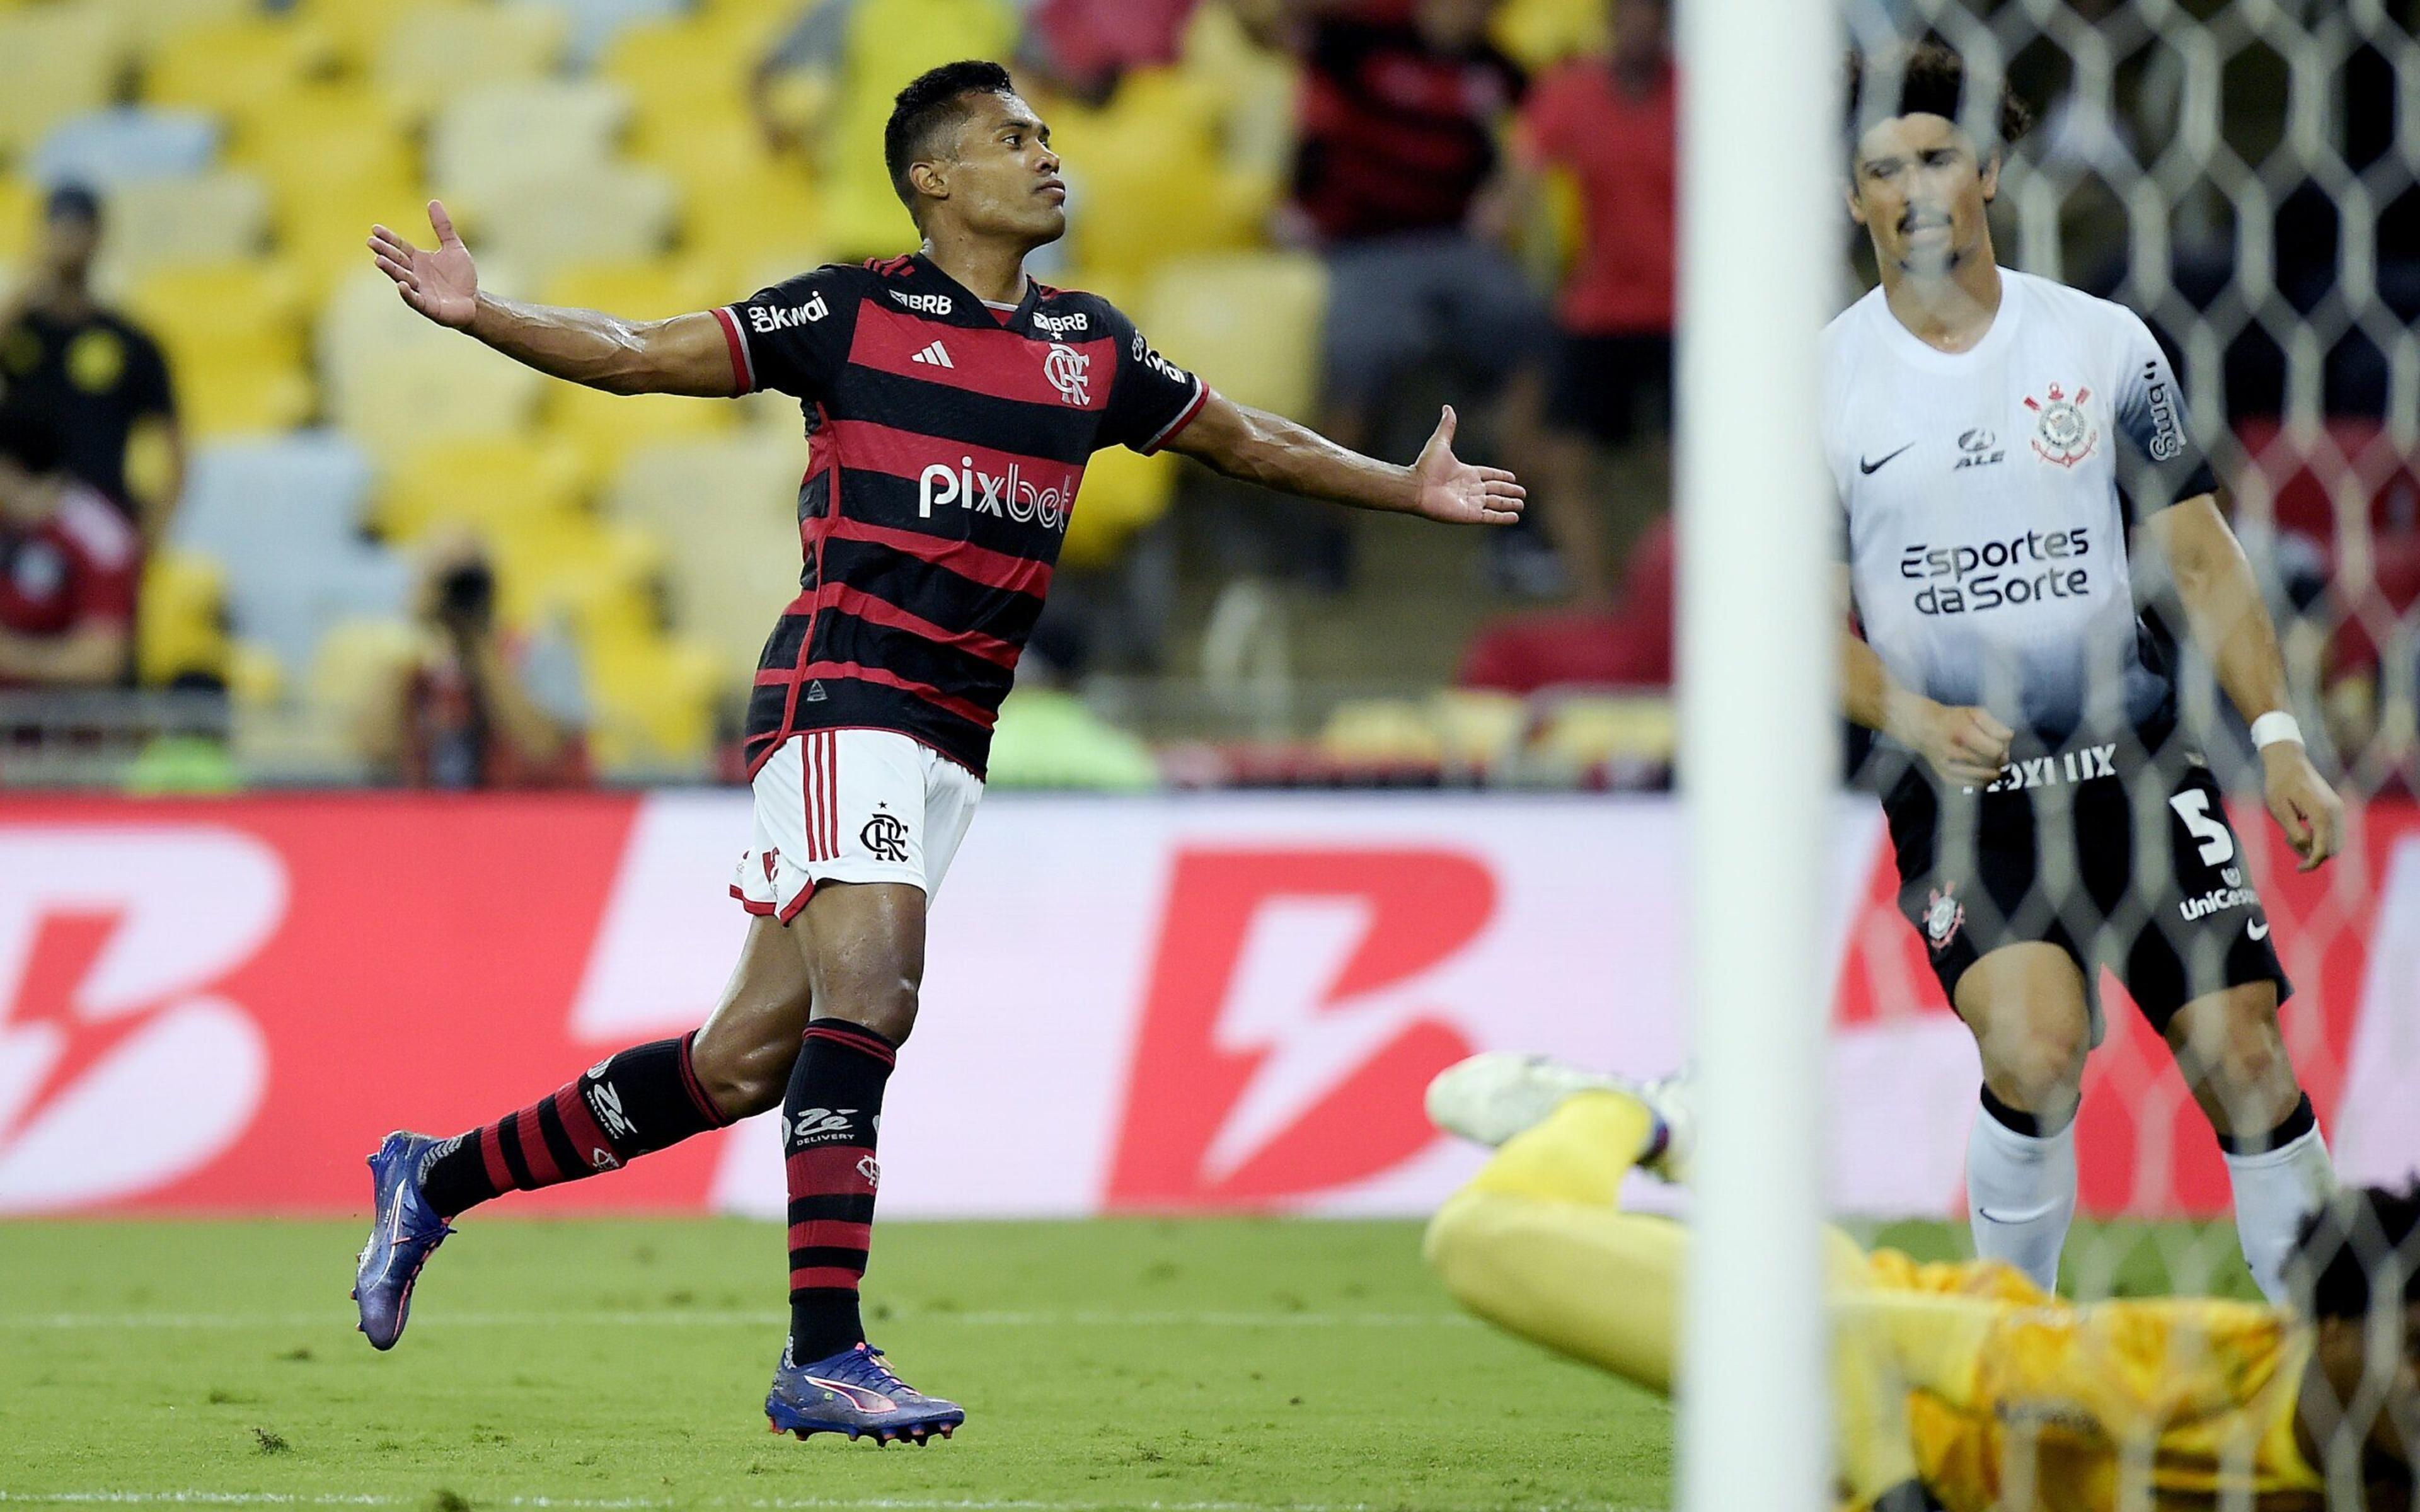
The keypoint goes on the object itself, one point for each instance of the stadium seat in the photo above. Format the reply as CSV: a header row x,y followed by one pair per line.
x,y
484,142
1248,322
680,68
1148,179
149,25
653,701
359,658
229,66
540,223
56,61
1605,737
394,381
1538,33
233,334
21,204
593,24
727,514
1394,735
1123,493
432,52
106,148
243,498
1481,730
483,483
213,217
354,30
182,628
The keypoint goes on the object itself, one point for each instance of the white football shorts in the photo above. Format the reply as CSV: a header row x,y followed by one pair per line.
x,y
852,806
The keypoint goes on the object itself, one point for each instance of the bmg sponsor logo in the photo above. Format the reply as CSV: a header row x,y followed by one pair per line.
x,y
1011,494
1962,580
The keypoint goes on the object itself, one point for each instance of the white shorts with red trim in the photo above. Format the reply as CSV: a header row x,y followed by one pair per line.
x,y
852,806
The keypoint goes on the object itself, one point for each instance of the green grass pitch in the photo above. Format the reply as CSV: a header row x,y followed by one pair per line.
x,y
1219,1366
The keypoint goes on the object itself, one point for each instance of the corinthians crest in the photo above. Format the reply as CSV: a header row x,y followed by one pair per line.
x,y
2064,433
1943,915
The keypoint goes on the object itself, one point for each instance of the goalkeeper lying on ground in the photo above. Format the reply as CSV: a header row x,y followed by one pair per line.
x,y
1957,1387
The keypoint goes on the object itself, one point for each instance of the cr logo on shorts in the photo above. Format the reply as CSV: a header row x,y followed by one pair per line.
x,y
886,836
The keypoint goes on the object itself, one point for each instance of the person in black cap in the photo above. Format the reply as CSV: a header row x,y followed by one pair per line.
x,y
89,370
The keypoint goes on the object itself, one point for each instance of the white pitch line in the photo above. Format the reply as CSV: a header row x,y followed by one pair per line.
x,y
730,1318
641,1504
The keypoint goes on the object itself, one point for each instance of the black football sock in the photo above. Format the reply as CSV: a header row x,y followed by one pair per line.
x,y
829,1120
642,1100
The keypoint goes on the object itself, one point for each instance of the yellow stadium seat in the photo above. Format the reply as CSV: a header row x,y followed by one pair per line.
x,y
233,333
484,142
737,217
149,25
605,428
1123,493
1148,178
1381,733
182,628
1249,323
434,51
355,30
357,663
681,67
486,483
414,395
255,677
1537,33
1481,730
56,61
653,701
543,222
318,135
230,66
221,216
655,288
1585,733
21,211
727,514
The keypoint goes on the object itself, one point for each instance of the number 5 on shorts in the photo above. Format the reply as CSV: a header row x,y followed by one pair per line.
x,y
2217,845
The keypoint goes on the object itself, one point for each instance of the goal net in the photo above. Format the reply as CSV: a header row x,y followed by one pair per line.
x,y
2242,174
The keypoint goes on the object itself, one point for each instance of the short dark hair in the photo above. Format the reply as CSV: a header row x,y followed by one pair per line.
x,y
2358,1239
934,102
1932,80
31,440
72,201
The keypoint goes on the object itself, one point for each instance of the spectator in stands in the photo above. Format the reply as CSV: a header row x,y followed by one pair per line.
x,y
100,378
1400,104
1085,47
827,85
1608,123
69,565
481,708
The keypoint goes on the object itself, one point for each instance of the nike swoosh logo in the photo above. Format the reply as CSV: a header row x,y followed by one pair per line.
x,y
2258,929
1872,467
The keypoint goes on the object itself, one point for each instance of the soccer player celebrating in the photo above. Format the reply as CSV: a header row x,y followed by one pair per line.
x,y
1963,1387
1994,437
950,404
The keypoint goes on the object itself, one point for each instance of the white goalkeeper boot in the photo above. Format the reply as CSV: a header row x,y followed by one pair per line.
x,y
1496,1094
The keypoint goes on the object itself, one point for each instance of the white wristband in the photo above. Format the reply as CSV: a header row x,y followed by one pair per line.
x,y
2275,726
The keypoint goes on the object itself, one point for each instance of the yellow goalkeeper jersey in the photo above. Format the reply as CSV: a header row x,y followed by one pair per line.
x,y
2084,1409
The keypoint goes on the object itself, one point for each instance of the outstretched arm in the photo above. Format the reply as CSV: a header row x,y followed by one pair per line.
x,y
1275,452
2231,625
685,354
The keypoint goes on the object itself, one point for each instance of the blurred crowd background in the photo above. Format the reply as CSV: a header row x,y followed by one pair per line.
x,y
259,524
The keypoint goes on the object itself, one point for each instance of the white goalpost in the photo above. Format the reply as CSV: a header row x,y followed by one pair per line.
x,y
1759,747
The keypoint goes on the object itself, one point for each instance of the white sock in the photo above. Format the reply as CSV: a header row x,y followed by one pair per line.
x,y
2275,1190
2021,1194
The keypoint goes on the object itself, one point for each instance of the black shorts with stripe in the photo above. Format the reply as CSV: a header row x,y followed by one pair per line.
x,y
2118,852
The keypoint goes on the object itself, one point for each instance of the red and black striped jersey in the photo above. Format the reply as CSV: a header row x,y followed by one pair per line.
x,y
946,439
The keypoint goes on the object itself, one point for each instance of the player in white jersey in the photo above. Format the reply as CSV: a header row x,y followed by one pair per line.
x,y
1998,442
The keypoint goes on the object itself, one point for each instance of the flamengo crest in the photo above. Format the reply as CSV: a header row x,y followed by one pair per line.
x,y
1069,372
2065,432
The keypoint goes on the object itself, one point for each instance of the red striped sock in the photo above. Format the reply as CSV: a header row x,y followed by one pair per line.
x,y
645,1098
829,1121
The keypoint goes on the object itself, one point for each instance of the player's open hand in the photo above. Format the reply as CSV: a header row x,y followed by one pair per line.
x,y
439,282
1967,746
1452,490
2304,806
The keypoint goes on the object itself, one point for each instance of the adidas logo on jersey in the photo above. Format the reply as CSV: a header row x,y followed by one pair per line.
x,y
935,355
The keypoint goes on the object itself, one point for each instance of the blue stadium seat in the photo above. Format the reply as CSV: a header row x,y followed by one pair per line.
x,y
103,148
595,23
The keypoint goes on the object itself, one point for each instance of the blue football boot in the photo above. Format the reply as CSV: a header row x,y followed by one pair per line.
x,y
853,1393
401,1238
